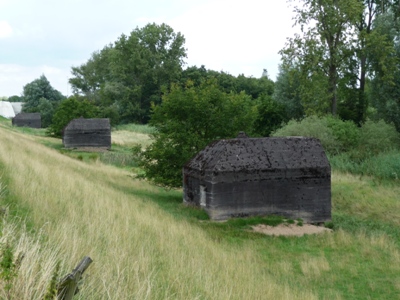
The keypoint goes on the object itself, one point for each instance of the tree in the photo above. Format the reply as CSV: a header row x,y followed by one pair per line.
x,y
338,51
374,53
37,89
187,120
91,76
15,98
287,91
384,91
324,47
69,109
46,109
254,87
271,116
130,73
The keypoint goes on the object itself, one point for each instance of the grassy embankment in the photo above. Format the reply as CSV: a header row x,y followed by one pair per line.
x,y
146,245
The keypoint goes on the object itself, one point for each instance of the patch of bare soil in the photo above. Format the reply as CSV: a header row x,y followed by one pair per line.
x,y
290,229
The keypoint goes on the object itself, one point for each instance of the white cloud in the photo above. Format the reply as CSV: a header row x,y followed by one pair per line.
x,y
5,29
236,36
13,77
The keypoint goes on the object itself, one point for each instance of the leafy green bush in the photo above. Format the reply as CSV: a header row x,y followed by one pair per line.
x,y
346,132
376,137
315,127
335,135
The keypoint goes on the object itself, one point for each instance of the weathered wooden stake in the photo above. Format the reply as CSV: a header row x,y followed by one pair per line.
x,y
68,286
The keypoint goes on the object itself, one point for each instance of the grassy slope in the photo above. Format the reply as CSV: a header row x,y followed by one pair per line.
x,y
146,245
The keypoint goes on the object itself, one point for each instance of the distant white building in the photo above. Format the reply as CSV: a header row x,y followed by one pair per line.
x,y
265,73
17,106
6,110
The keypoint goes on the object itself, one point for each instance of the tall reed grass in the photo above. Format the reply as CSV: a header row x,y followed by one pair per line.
x,y
384,165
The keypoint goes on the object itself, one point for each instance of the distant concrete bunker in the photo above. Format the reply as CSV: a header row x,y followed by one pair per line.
x,y
33,120
92,133
287,176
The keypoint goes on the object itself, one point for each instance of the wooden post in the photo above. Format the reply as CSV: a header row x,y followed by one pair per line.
x,y
68,286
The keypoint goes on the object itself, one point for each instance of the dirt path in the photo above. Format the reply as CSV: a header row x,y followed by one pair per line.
x,y
290,229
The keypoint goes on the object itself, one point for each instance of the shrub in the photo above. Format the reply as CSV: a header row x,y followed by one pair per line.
x,y
315,127
346,133
378,137
384,165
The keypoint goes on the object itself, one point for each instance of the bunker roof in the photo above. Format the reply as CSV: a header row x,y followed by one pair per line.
x,y
247,154
89,124
27,116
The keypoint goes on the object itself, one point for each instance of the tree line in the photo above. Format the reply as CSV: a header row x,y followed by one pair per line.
x,y
343,63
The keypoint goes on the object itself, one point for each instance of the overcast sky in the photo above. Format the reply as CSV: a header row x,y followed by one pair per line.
x,y
49,37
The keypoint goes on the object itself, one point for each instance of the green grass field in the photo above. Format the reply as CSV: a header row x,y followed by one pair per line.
x,y
146,244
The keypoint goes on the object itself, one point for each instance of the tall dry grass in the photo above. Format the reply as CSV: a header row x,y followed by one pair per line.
x,y
130,138
139,251
142,252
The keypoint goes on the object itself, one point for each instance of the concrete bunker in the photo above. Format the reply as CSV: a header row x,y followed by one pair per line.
x,y
33,120
287,176
81,133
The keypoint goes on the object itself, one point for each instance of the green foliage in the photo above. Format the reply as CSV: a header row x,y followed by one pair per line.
x,y
111,112
118,159
375,138
51,292
323,49
329,224
9,267
139,128
15,98
342,45
335,135
36,90
186,121
70,109
383,166
315,127
126,77
287,91
271,116
46,109
254,87
384,90
346,133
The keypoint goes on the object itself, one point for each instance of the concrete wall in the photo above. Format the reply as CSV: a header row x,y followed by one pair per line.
x,y
32,120
76,139
287,176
